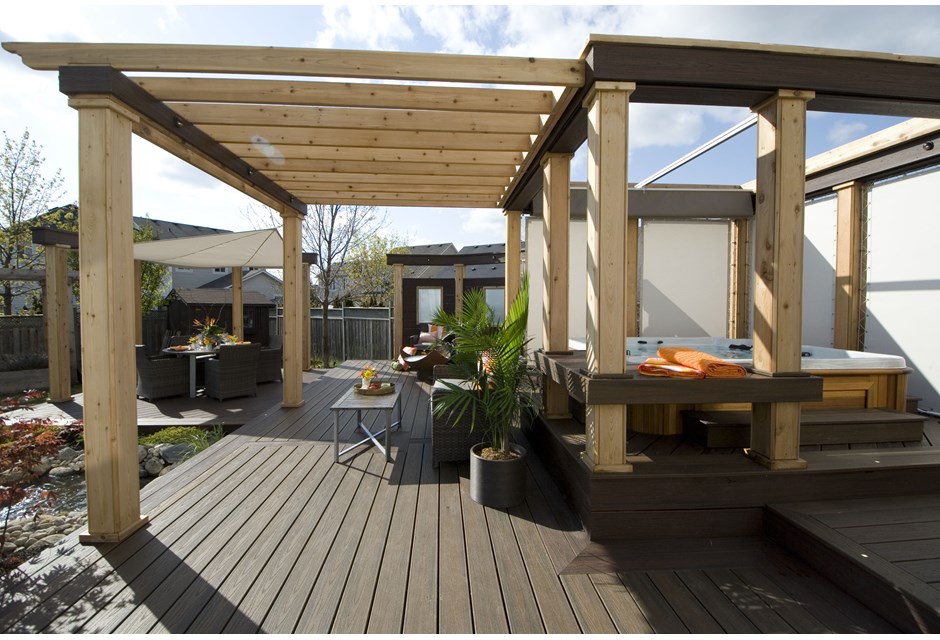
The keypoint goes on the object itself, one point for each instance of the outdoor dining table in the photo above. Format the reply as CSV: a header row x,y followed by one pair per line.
x,y
193,354
352,401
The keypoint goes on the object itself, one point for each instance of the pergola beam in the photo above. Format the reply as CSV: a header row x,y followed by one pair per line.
x,y
289,61
429,156
348,94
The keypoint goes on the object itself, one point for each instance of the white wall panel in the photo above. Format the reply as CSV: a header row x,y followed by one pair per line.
x,y
819,272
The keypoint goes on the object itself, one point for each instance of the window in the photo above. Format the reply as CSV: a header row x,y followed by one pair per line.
x,y
496,300
183,270
220,269
429,301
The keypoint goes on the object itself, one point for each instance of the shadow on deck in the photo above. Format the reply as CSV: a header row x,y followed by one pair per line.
x,y
263,532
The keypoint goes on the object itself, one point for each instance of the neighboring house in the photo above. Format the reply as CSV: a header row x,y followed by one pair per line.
x,y
258,280
425,289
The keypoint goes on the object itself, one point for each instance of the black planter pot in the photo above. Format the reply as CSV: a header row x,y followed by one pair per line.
x,y
497,483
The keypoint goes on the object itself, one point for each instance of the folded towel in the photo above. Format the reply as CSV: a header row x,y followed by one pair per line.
x,y
708,364
662,367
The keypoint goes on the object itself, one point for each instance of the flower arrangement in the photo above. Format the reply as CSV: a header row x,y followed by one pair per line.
x,y
367,375
209,333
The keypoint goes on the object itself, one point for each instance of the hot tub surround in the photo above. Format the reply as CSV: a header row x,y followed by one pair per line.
x,y
851,379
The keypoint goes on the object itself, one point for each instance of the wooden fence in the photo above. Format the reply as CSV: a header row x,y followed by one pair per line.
x,y
354,333
22,334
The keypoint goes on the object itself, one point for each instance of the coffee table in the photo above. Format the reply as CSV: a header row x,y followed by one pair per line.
x,y
352,401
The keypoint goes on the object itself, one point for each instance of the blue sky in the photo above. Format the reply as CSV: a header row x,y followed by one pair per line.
x,y
169,189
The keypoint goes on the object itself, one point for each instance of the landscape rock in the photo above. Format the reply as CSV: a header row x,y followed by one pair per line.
x,y
154,466
67,454
175,453
141,453
61,471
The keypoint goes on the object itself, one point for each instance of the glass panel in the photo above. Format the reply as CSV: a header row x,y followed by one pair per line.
x,y
429,301
496,298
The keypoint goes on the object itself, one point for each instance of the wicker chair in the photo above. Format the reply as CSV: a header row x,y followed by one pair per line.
x,y
270,362
234,373
451,441
161,377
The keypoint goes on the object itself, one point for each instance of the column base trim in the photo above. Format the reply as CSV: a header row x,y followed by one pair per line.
x,y
776,465
112,538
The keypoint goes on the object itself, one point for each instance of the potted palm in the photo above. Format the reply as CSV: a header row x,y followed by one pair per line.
x,y
496,391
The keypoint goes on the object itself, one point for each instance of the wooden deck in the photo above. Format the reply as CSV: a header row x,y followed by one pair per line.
x,y
176,411
262,532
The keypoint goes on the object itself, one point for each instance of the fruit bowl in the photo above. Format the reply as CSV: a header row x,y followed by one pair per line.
x,y
377,388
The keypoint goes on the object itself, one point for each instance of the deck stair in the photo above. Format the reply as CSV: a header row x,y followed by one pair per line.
x,y
882,551
817,427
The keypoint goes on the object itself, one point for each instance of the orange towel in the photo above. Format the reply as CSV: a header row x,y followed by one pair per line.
x,y
711,366
662,367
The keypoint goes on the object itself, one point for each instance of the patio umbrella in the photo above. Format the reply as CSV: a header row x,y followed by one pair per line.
x,y
263,248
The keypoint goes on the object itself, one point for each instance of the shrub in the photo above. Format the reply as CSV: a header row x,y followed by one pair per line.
x,y
196,437
22,361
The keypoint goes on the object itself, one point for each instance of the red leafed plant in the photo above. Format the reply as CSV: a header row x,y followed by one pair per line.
x,y
23,445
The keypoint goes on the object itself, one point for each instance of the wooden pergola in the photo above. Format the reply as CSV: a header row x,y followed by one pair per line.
x,y
496,136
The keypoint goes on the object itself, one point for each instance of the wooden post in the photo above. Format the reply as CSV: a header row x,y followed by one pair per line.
x,y
58,314
608,106
399,302
305,273
138,303
778,279
458,288
740,259
238,304
850,252
513,267
293,310
556,168
632,312
106,266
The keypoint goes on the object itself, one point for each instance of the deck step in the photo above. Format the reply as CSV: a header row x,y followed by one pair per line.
x,y
817,427
892,592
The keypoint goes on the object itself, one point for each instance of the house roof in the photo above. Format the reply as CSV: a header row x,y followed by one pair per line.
x,y
219,297
224,282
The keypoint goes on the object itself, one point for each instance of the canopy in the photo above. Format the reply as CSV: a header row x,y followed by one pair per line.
x,y
260,249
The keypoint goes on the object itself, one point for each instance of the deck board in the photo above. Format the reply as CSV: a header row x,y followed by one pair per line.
x,y
263,532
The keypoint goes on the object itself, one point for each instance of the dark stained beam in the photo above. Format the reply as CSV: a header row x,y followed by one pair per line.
x,y
55,237
446,260
672,203
79,80
914,154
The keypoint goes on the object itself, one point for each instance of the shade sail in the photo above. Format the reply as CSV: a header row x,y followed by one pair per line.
x,y
261,249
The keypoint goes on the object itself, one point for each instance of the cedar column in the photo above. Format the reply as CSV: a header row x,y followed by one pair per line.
x,y
608,106
305,272
778,262
58,313
106,259
293,311
513,266
458,288
399,302
138,303
738,283
556,168
238,304
850,250
633,277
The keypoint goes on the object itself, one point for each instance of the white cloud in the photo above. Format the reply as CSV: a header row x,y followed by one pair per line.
x,y
363,25
483,223
842,132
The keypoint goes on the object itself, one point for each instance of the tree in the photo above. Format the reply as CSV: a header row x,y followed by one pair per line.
x,y
369,275
153,276
333,232
24,195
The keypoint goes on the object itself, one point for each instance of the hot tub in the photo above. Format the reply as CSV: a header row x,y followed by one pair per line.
x,y
851,379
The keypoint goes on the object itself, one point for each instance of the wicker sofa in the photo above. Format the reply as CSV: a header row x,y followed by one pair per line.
x,y
450,441
161,377
234,372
